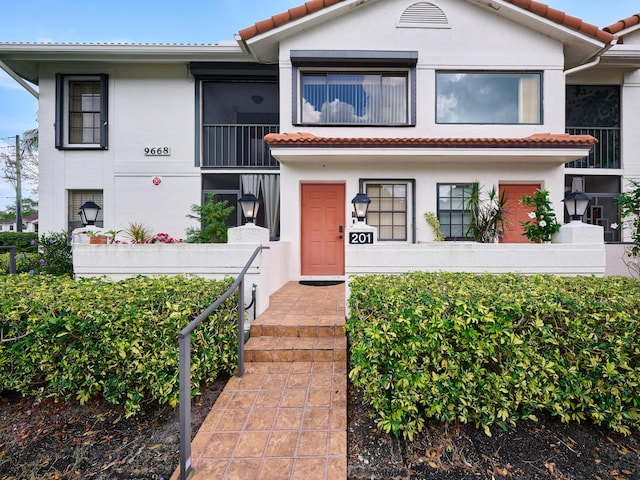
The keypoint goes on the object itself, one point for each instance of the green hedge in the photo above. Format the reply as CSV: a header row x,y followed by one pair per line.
x,y
25,241
115,339
494,349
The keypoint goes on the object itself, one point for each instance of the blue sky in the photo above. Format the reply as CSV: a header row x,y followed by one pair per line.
x,y
167,21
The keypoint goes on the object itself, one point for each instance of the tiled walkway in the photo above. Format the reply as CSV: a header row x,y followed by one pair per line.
x,y
283,419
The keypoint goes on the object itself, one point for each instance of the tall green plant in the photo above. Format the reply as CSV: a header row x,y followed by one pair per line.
x,y
629,205
542,223
487,214
212,217
55,250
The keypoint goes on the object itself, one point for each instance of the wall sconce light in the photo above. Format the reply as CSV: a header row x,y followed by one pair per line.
x,y
361,205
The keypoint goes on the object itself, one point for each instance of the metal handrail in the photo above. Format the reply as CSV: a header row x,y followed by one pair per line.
x,y
13,250
184,342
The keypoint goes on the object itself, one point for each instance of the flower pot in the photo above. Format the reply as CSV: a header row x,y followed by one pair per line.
x,y
98,240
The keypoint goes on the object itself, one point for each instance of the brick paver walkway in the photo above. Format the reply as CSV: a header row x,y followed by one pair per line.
x,y
283,419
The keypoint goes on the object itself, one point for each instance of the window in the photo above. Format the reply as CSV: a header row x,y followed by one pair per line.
x,y
354,87
454,217
489,97
77,199
389,208
344,98
81,111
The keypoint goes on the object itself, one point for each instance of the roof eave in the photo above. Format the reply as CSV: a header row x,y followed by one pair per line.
x,y
25,58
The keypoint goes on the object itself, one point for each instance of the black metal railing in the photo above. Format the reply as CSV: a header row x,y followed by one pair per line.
x,y
237,146
184,342
605,153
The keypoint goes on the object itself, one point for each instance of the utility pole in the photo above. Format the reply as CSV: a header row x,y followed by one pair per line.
x,y
18,187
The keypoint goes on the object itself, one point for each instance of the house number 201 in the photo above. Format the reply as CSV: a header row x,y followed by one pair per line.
x,y
361,238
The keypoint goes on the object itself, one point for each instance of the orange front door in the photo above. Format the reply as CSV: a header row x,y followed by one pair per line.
x,y
516,212
323,221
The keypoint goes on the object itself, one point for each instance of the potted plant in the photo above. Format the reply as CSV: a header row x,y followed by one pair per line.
x,y
98,238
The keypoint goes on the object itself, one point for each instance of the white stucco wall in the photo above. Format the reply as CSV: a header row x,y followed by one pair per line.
x,y
477,40
149,106
427,175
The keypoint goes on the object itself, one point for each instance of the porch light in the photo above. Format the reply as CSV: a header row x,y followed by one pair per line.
x,y
576,204
250,205
89,213
361,205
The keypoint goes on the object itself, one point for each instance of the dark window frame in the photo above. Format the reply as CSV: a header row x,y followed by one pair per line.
x,y
353,62
539,73
411,203
62,112
440,212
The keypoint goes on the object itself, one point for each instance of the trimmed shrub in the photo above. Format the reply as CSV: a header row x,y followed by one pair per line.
x,y
25,241
117,340
494,349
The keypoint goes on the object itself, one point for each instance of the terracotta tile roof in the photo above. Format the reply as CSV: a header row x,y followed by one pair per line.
x,y
538,8
560,17
623,24
285,17
539,140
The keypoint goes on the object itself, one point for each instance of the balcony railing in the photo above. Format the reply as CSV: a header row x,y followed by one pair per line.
x,y
237,146
605,153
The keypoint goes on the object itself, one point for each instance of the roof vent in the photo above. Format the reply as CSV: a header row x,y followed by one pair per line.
x,y
423,15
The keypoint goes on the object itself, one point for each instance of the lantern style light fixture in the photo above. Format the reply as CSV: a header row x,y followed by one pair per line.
x,y
576,204
89,213
250,205
361,205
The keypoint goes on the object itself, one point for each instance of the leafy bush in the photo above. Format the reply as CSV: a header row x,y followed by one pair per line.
x,y
25,241
55,251
542,223
51,254
213,218
494,349
115,339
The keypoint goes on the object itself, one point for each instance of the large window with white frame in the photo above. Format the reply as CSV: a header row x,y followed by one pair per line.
x,y
502,98
453,214
81,111
391,210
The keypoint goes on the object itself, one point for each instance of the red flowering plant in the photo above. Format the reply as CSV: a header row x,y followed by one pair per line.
x,y
165,238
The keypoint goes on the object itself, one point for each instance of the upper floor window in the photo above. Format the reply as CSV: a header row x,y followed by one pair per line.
x,y
343,98
81,111
501,98
354,87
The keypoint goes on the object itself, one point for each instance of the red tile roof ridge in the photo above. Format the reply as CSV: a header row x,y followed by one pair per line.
x,y
623,24
306,139
538,8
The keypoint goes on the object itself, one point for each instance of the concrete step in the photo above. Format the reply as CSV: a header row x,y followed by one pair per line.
x,y
290,348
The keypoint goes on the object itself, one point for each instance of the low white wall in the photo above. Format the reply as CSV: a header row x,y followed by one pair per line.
x,y
617,258
558,259
215,261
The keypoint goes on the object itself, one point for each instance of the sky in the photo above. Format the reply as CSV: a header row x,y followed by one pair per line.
x,y
166,21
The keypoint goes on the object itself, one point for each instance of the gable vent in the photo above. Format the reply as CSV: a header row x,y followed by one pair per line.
x,y
423,15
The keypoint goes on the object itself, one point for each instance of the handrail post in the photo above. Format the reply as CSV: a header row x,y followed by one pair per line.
x,y
185,405
13,250
241,328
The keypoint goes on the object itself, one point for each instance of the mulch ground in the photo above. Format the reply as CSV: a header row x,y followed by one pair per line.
x,y
64,440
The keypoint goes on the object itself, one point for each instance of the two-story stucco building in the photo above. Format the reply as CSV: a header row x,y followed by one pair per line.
x,y
410,102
